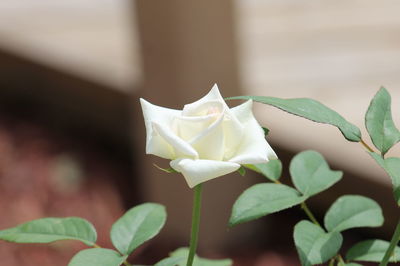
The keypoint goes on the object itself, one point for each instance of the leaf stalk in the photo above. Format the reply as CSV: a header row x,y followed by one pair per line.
x,y
366,146
309,213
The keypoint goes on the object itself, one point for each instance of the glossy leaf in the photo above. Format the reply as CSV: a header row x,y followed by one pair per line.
x,y
392,168
312,110
372,250
179,257
379,122
353,211
311,173
314,245
172,261
263,199
47,230
136,226
97,257
271,170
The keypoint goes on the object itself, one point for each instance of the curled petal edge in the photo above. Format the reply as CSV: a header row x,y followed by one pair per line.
x,y
198,171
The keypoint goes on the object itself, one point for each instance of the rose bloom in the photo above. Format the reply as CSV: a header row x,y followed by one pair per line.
x,y
206,139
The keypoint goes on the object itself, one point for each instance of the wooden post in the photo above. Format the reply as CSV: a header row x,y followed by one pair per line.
x,y
186,47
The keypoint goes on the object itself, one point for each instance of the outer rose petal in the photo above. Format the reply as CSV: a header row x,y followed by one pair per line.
x,y
199,171
254,148
213,96
155,144
233,132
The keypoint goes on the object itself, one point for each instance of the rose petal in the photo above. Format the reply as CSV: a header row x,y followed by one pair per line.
x,y
233,129
233,132
243,112
199,171
212,100
254,148
210,142
188,127
155,144
181,147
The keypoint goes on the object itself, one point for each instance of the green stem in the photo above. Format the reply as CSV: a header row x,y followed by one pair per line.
x,y
309,213
393,244
195,224
340,258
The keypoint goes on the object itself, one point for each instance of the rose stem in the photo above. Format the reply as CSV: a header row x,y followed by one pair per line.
x,y
195,224
393,244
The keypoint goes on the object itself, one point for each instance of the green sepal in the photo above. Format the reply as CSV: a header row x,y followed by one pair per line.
x,y
242,171
266,131
169,170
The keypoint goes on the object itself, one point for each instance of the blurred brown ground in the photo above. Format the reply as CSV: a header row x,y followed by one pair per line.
x,y
46,174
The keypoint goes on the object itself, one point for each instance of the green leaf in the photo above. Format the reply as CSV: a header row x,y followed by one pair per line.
x,y
179,257
379,122
392,168
353,211
314,245
47,230
97,257
372,250
312,110
311,173
173,261
271,170
137,225
262,199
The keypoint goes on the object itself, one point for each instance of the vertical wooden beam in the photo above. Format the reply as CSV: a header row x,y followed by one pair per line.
x,y
186,47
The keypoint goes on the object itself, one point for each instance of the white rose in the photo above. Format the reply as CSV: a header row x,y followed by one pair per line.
x,y
206,139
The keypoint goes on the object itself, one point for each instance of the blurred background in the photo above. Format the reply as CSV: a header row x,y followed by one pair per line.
x,y
72,133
